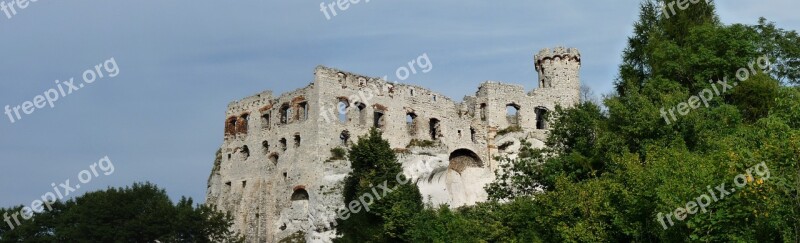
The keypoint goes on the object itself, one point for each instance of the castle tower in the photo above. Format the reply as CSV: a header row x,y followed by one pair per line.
x,y
558,71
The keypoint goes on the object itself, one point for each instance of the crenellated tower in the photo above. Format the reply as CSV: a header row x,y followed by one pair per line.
x,y
558,71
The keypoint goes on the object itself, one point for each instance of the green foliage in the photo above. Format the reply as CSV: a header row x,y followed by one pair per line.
x,y
781,45
517,177
787,106
338,153
388,218
755,97
482,223
607,175
296,237
141,213
421,143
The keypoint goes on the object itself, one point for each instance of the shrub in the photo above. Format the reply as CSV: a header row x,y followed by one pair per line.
x,y
421,143
338,153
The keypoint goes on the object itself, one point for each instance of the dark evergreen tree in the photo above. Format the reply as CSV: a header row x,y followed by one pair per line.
x,y
375,167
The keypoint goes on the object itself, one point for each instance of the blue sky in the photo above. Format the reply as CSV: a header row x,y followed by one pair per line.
x,y
180,63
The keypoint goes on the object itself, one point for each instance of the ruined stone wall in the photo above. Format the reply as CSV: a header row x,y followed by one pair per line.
x,y
274,190
270,155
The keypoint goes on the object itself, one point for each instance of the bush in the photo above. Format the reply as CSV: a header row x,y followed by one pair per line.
x,y
296,237
421,143
338,153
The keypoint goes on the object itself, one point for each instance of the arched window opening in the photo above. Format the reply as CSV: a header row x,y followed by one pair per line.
x,y
300,195
472,134
378,119
230,126
342,107
362,113
265,146
285,113
297,140
512,114
434,129
302,112
342,79
411,123
483,112
462,159
241,124
541,118
283,144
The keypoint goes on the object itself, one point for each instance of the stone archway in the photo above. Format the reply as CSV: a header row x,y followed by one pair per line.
x,y
300,194
541,117
461,159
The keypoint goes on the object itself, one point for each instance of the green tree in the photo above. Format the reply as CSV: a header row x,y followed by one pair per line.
x,y
781,45
388,219
606,176
140,213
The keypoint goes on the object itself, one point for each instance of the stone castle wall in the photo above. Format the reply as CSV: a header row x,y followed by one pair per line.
x,y
276,175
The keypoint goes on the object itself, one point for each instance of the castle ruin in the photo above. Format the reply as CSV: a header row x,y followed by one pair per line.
x,y
277,175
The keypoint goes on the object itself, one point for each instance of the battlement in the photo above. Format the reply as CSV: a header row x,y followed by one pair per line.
x,y
559,68
561,53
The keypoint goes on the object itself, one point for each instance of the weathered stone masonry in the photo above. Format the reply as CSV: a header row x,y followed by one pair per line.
x,y
276,175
